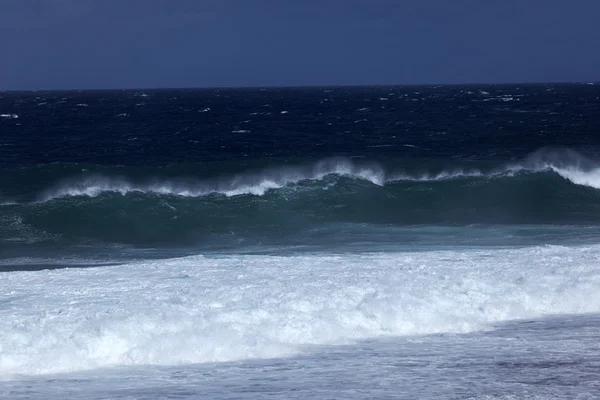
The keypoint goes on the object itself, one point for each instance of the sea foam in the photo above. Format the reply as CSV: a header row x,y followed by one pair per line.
x,y
198,309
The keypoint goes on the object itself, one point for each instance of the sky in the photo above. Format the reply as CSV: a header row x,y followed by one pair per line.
x,y
98,44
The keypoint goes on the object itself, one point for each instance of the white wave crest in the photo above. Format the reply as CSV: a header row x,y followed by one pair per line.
x,y
247,183
196,309
579,177
568,164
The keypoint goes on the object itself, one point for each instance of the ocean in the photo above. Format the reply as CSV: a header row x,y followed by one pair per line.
x,y
402,242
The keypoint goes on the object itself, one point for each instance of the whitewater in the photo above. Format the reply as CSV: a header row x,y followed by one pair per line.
x,y
195,310
155,313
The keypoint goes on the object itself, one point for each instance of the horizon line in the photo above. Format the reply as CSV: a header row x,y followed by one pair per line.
x,y
159,88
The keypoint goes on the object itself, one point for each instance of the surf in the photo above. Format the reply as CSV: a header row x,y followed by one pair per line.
x,y
92,182
288,203
202,309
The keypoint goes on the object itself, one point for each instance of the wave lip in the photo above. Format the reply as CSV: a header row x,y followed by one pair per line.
x,y
196,309
568,164
254,183
584,178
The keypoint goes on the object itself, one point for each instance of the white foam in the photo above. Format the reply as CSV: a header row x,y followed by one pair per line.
x,y
567,163
579,177
9,116
196,309
257,189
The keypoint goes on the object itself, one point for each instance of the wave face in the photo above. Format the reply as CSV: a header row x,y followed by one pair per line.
x,y
201,309
294,203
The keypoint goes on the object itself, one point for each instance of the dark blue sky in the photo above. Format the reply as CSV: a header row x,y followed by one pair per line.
x,y
63,44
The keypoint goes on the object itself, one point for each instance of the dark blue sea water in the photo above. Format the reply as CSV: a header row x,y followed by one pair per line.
x,y
227,225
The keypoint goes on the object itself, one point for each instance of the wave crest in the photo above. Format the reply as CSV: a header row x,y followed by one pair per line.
x,y
252,183
567,163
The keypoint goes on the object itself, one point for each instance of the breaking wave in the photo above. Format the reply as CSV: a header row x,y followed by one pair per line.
x,y
255,183
197,309
549,187
566,163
